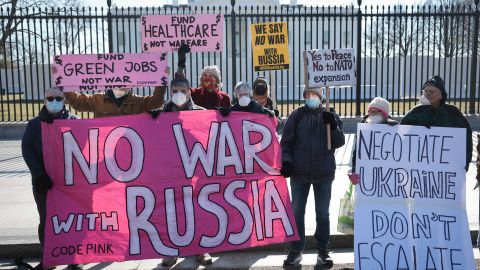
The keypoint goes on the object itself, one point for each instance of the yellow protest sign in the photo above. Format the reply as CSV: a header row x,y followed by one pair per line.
x,y
270,46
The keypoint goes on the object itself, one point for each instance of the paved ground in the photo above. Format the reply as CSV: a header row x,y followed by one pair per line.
x,y
19,217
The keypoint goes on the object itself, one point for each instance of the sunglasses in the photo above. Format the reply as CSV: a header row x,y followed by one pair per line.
x,y
54,98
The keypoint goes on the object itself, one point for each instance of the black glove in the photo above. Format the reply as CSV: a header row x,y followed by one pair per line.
x,y
427,126
224,111
48,119
277,113
43,183
270,113
391,123
329,118
182,58
287,169
154,113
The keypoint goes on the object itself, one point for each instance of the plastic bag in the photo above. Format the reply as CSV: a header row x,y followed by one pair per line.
x,y
346,212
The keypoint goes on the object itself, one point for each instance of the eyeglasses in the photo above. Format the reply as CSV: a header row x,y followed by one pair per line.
x,y
54,98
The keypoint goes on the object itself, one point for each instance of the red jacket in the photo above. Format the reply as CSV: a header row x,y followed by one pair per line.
x,y
210,100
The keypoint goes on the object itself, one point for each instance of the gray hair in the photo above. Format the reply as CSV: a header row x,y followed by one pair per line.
x,y
242,87
54,90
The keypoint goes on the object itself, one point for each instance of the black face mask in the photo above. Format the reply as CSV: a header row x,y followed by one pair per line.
x,y
260,90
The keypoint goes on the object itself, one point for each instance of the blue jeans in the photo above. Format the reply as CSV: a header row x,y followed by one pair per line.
x,y
322,192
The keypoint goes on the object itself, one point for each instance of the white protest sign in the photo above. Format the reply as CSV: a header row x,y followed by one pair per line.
x,y
410,202
332,67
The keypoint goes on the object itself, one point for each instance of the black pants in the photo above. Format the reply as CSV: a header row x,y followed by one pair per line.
x,y
41,201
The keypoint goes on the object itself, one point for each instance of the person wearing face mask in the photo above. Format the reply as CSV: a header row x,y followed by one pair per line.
x,y
261,93
308,162
209,94
181,100
433,111
243,93
53,108
378,113
116,101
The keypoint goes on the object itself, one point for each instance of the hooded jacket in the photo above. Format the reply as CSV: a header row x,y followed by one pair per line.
x,y
32,142
210,100
445,115
103,105
304,144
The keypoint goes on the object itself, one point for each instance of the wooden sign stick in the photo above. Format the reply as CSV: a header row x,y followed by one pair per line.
x,y
329,134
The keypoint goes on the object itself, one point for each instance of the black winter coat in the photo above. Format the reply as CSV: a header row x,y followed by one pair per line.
x,y
304,144
32,142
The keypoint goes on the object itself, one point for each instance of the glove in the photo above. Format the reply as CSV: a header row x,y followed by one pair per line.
x,y
391,123
154,113
270,113
48,119
182,58
287,169
329,118
277,113
224,111
354,178
43,184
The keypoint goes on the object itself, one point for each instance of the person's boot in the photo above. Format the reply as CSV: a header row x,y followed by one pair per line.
x,y
293,258
75,267
41,267
204,259
324,259
169,261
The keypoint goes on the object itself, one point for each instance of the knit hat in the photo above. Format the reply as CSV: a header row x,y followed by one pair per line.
x,y
437,81
380,104
214,70
261,81
317,91
242,87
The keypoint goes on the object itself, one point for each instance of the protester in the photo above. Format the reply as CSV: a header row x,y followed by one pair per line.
x,y
243,93
433,111
261,93
378,113
306,159
209,95
114,102
181,100
54,108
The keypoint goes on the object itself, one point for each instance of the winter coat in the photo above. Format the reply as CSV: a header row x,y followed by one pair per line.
x,y
304,144
32,142
445,115
103,105
210,100
389,121
478,157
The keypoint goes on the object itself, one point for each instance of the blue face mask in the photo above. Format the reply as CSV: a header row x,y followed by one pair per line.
x,y
313,103
54,106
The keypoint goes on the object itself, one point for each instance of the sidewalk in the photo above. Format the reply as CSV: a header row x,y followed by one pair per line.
x,y
18,225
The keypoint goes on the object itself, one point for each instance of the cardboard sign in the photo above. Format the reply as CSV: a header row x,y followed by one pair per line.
x,y
75,72
270,46
335,67
410,202
165,33
184,184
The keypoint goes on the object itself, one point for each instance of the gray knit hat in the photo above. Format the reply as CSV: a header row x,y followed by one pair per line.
x,y
317,91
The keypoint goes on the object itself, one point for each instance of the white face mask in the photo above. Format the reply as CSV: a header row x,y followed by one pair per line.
x,y
179,99
424,100
118,93
244,101
374,119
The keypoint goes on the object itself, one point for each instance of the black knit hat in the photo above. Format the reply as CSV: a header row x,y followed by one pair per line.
x,y
437,81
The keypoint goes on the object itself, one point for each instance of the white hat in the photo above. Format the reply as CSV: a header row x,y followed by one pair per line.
x,y
380,104
214,70
242,87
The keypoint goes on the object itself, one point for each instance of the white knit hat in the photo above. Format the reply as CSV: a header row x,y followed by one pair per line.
x,y
380,104
214,70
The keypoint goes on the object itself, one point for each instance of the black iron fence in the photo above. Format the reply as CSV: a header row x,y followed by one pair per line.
x,y
397,49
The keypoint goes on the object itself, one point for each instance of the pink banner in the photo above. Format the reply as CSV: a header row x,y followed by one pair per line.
x,y
183,184
164,33
75,72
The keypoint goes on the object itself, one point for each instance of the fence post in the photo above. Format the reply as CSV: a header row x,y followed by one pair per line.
x,y
359,59
234,45
473,76
109,27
